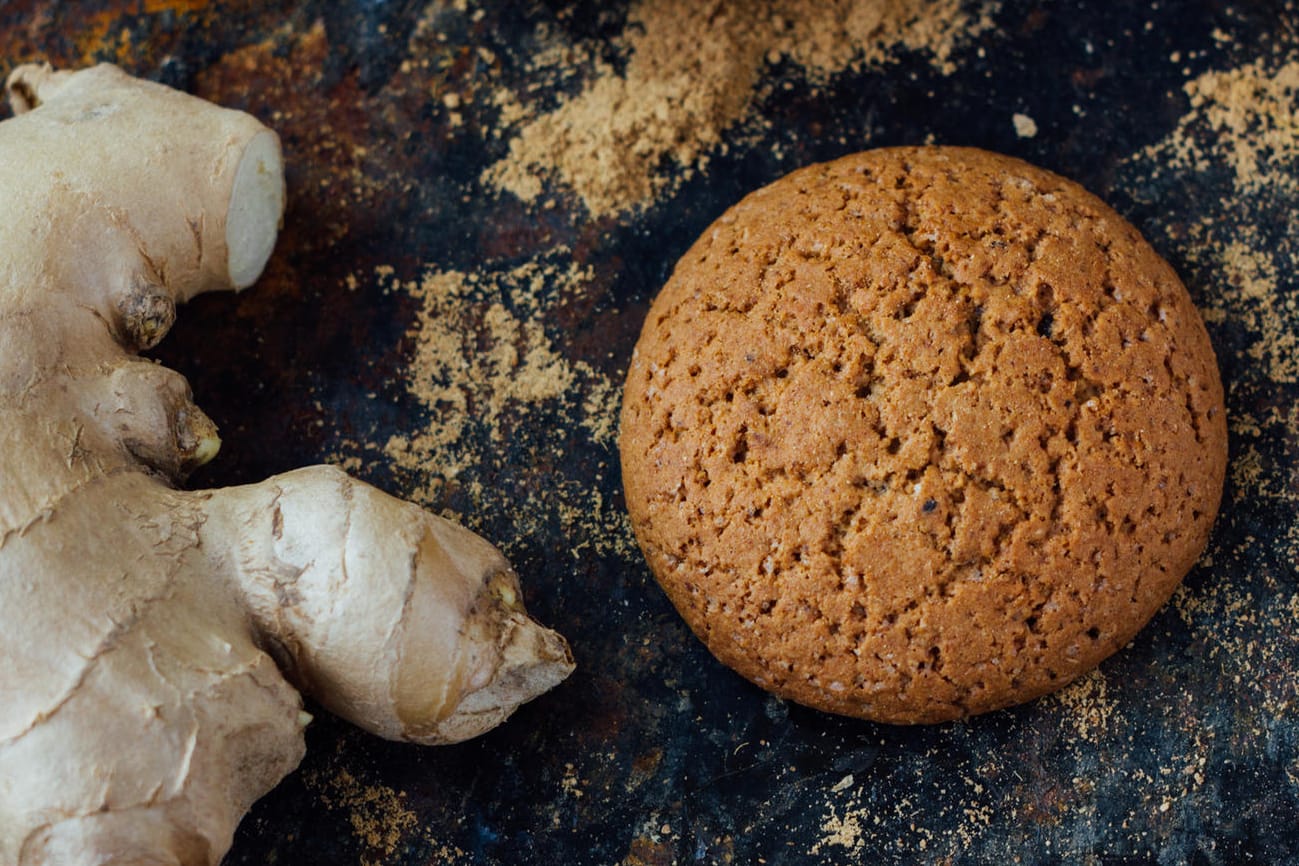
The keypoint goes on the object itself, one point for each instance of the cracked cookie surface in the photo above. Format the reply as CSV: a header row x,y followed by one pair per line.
x,y
921,433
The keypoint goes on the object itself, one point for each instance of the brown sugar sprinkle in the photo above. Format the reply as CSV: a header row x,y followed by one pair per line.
x,y
485,368
1246,116
380,818
693,72
1246,120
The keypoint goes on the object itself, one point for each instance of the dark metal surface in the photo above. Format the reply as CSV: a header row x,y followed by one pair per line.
x,y
1183,749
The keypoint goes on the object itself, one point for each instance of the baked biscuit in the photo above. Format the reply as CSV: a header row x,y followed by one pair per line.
x,y
921,433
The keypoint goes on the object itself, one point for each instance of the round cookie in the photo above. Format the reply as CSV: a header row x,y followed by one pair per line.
x,y
921,433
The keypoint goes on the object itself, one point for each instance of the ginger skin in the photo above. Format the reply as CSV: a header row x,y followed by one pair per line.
x,y
184,623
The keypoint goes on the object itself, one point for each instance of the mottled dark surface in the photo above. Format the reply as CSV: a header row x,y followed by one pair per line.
x,y
1183,749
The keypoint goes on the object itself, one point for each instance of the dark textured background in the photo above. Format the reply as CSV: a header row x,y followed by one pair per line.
x,y
1183,749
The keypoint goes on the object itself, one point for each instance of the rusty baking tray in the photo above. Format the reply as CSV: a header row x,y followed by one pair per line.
x,y
447,201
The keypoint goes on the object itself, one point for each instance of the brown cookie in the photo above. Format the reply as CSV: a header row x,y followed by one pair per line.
x,y
921,433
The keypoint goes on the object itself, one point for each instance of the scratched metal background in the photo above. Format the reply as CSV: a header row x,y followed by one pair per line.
x,y
1183,751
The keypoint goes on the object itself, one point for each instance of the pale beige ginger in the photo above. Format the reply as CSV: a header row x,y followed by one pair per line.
x,y
153,640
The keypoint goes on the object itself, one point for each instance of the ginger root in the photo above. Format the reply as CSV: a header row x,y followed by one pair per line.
x,y
153,641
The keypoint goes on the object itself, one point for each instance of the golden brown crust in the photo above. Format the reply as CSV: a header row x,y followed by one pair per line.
x,y
921,433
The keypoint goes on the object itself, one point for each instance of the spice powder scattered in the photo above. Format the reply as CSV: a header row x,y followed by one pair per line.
x,y
488,373
1244,121
693,71
380,818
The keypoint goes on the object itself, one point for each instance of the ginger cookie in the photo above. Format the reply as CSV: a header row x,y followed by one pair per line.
x,y
921,433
